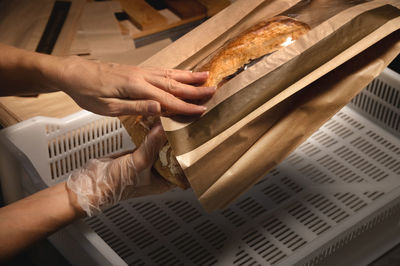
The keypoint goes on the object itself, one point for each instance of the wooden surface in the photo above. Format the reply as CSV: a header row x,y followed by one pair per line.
x,y
96,34
213,7
22,23
17,109
99,31
148,21
186,8
58,104
142,14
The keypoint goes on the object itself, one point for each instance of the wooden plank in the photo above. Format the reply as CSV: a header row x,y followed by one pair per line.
x,y
22,23
70,27
7,118
172,19
186,8
100,30
166,27
214,6
133,56
16,109
142,14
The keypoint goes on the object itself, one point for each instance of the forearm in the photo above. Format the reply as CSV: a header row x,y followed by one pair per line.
x,y
24,72
34,217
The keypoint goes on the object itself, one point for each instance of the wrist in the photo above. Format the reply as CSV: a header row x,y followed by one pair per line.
x,y
76,208
51,69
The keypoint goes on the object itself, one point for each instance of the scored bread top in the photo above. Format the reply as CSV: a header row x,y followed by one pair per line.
x,y
263,38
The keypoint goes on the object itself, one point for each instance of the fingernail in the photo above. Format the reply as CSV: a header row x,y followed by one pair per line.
x,y
204,73
154,108
213,88
203,108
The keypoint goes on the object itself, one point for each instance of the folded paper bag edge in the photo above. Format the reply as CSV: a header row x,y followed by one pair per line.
x,y
214,198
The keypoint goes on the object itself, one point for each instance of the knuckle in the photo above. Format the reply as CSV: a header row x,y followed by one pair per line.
x,y
175,86
132,79
113,108
139,106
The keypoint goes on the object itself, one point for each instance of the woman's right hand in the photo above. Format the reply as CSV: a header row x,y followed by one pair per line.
x,y
114,89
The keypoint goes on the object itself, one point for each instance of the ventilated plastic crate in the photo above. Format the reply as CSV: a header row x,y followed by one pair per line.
x,y
334,201
380,101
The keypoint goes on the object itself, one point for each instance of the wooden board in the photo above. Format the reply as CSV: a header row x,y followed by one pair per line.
x,y
214,6
165,27
17,109
69,29
142,14
187,11
133,56
186,8
99,31
22,23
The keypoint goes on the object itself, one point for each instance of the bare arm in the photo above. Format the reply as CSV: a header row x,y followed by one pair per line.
x,y
23,72
96,186
27,220
103,88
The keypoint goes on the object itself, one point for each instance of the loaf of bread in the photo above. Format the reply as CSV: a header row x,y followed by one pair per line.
x,y
263,38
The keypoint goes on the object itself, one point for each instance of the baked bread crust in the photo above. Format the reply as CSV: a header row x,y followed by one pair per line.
x,y
263,38
166,165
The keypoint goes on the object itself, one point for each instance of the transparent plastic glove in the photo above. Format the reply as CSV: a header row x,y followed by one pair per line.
x,y
105,182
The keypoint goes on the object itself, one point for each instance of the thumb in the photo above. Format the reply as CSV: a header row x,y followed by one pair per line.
x,y
152,145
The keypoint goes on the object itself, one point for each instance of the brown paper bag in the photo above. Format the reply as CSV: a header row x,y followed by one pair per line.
x,y
257,118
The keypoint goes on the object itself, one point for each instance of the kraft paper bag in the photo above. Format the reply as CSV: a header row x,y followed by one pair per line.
x,y
262,114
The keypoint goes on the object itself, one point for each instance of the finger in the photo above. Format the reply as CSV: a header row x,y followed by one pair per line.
x,y
169,102
116,107
187,77
176,106
181,90
184,76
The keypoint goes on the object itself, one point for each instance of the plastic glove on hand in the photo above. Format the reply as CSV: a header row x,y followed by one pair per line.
x,y
105,182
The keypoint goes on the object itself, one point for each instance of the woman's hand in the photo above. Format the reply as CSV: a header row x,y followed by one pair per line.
x,y
103,88
103,183
114,89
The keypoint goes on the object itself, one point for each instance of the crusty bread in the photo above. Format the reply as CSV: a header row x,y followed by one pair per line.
x,y
167,165
263,38
259,40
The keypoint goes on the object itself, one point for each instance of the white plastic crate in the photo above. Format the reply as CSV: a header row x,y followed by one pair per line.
x,y
334,201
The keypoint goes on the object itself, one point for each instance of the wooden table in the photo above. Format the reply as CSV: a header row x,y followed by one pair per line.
x,y
17,109
58,104
21,25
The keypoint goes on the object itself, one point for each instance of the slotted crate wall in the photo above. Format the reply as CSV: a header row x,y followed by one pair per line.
x,y
380,101
74,148
341,170
59,146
